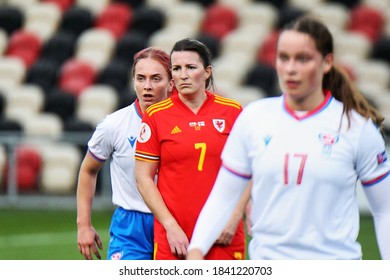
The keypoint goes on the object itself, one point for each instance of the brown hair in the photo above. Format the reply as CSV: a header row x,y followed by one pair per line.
x,y
193,45
336,80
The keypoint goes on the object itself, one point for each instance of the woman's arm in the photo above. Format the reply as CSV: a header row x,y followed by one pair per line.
x,y
378,197
227,191
145,174
228,233
87,237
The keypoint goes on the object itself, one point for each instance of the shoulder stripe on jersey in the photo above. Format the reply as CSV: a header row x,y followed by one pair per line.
x,y
146,157
245,176
159,106
227,101
376,180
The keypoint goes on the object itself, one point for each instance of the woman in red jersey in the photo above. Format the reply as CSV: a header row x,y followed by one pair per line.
x,y
182,137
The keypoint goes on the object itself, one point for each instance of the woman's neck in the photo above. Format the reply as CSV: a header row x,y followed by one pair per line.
x,y
193,101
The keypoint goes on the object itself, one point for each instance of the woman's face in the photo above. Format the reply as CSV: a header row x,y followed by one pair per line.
x,y
188,72
300,67
151,82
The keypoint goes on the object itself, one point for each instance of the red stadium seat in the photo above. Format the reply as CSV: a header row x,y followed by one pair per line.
x,y
25,45
28,169
267,50
219,20
367,20
75,75
116,18
62,4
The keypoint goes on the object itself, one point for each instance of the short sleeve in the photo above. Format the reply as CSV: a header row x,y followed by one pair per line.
x,y
241,146
372,162
100,143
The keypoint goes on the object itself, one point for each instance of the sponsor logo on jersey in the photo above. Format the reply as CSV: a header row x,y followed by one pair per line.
x,y
267,139
132,140
382,157
197,125
175,130
219,124
328,140
145,133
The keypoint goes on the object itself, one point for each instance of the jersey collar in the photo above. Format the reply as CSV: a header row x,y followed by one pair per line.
x,y
138,108
319,108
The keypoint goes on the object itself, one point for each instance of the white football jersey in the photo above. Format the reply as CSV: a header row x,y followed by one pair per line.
x,y
305,171
114,139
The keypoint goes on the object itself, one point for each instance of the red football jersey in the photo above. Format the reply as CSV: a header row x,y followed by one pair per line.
x,y
188,147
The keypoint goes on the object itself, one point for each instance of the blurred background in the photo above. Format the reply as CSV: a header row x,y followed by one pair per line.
x,y
65,64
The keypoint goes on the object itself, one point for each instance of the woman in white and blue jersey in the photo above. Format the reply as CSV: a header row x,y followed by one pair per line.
x,y
131,230
305,151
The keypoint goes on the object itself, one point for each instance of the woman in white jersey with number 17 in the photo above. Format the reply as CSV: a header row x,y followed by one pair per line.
x,y
305,152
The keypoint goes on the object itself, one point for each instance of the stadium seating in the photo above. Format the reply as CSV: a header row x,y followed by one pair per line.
x,y
380,49
75,75
266,52
10,126
334,15
211,42
188,14
60,47
258,14
42,19
24,100
28,164
345,45
116,18
133,3
61,103
12,72
262,76
367,20
94,6
11,19
60,165
95,46
63,5
128,45
288,13
43,73
95,102
3,41
164,5
166,37
204,3
23,5
76,20
147,20
219,20
115,74
24,45
46,125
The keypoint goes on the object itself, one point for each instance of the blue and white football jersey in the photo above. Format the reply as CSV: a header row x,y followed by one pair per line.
x,y
305,170
114,139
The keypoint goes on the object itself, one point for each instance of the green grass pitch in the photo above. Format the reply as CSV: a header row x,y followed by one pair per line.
x,y
52,234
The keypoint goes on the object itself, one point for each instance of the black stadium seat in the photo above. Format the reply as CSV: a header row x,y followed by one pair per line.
x,y
11,19
147,20
60,47
76,20
43,73
129,45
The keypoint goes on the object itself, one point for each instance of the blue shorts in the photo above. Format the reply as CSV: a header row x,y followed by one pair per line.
x,y
131,235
